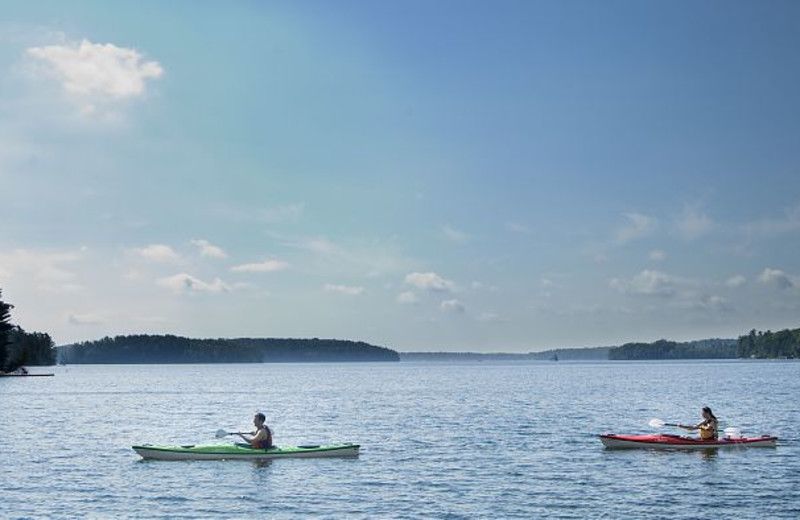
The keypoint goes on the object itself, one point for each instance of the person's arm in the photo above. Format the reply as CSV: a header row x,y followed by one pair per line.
x,y
255,437
703,424
242,435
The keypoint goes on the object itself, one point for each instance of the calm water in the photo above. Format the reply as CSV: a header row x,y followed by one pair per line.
x,y
438,441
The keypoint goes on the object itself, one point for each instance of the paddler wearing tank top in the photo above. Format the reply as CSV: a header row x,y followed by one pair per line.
x,y
708,427
261,438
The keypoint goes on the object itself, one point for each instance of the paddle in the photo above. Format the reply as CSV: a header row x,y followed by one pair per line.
x,y
730,432
222,433
658,423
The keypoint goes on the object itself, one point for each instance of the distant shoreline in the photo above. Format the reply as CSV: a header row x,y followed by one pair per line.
x,y
157,349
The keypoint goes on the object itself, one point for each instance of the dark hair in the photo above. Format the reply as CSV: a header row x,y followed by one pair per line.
x,y
261,416
708,410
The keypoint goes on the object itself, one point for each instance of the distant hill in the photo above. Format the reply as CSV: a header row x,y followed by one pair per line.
x,y
175,349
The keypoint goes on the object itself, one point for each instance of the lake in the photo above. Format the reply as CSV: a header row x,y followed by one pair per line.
x,y
471,440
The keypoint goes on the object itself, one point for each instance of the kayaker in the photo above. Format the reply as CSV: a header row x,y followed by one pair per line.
x,y
261,438
708,428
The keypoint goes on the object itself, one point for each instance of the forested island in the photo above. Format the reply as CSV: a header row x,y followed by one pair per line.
x,y
19,348
175,349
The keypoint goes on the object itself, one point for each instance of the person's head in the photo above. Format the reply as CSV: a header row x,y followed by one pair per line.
x,y
708,414
259,418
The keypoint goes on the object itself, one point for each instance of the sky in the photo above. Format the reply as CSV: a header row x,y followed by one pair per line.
x,y
485,176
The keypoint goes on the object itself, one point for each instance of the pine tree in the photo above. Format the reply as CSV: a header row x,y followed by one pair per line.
x,y
5,330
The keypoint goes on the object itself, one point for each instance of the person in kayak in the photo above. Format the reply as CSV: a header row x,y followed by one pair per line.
x,y
708,428
261,438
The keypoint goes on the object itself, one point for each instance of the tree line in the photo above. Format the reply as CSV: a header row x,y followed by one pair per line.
x,y
19,348
145,348
764,345
663,349
784,344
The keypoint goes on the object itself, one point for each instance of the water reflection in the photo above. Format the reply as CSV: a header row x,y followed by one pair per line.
x,y
260,464
707,454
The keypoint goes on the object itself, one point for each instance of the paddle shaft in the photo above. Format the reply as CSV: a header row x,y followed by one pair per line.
x,y
222,433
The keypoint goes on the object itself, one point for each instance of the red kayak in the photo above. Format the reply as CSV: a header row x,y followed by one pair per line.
x,y
683,443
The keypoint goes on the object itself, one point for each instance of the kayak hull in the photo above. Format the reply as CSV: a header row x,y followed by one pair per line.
x,y
26,375
238,452
674,442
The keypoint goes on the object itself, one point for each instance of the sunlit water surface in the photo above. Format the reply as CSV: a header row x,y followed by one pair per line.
x,y
438,441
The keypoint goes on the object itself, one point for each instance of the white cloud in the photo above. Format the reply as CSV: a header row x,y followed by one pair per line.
x,y
453,305
44,270
408,298
89,69
61,288
159,253
344,289
648,282
788,223
429,282
185,283
777,278
548,283
208,249
735,281
454,235
638,226
319,245
267,266
712,303
657,255
692,223
272,215
480,286
84,319
149,319
356,258
516,227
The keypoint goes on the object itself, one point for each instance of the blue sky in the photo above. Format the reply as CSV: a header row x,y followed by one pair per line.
x,y
485,176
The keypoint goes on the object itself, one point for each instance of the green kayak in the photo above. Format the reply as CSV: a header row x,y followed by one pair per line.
x,y
239,451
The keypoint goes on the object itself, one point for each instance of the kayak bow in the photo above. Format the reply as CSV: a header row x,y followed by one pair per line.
x,y
236,451
683,443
